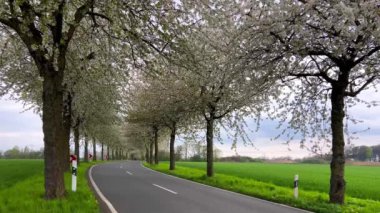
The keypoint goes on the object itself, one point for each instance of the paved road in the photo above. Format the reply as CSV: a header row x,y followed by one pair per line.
x,y
132,188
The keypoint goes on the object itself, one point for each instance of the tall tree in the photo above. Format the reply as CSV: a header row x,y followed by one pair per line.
x,y
102,152
327,53
76,143
43,30
94,148
86,154
210,56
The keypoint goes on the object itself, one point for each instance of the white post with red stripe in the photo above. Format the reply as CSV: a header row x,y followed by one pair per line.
x,y
74,170
296,186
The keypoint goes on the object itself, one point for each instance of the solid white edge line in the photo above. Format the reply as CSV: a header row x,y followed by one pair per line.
x,y
130,173
255,198
102,197
161,187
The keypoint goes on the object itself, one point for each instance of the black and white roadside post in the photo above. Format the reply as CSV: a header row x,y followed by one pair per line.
x,y
74,172
296,186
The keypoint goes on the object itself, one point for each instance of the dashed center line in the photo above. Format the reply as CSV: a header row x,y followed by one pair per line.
x,y
130,173
161,187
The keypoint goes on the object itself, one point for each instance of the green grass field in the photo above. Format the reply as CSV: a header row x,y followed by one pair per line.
x,y
362,181
22,189
274,182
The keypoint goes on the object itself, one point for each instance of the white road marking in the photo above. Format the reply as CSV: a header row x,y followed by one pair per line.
x,y
121,166
161,187
102,197
130,173
253,198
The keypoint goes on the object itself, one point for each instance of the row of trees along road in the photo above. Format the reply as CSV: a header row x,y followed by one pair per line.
x,y
191,65
237,58
60,38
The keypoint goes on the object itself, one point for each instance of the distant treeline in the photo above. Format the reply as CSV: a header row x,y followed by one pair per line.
x,y
199,156
364,153
22,153
355,153
238,158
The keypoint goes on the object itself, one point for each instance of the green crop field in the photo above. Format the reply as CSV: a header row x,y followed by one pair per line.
x,y
362,181
274,182
22,189
15,171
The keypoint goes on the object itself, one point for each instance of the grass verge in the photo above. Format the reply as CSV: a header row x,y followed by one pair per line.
x,y
24,191
309,200
362,181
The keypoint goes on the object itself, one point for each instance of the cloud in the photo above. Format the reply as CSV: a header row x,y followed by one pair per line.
x,y
33,140
273,150
19,127
8,105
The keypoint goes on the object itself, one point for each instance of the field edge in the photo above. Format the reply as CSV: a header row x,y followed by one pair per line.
x,y
310,201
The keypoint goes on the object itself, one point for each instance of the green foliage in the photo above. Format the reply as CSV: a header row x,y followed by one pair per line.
x,y
231,176
21,189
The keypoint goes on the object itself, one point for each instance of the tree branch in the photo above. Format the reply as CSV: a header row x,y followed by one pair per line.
x,y
359,60
79,15
355,93
9,23
320,74
94,14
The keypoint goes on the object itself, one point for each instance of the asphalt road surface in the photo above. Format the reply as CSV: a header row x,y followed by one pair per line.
x,y
131,188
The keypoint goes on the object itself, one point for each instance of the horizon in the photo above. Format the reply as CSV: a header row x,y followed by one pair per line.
x,y
23,127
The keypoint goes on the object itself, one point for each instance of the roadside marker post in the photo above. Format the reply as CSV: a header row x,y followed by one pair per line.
x,y
296,186
74,173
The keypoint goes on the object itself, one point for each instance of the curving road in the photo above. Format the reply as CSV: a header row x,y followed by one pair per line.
x,y
129,187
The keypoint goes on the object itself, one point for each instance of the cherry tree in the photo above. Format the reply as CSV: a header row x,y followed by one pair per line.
x,y
326,53
208,57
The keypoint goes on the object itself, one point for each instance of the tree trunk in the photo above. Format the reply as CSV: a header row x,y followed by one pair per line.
x,y
172,151
210,149
155,129
76,142
85,148
147,153
108,153
53,129
186,149
94,148
67,127
151,152
102,152
337,182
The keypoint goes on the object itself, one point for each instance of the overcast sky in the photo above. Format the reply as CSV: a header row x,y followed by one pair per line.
x,y
24,128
